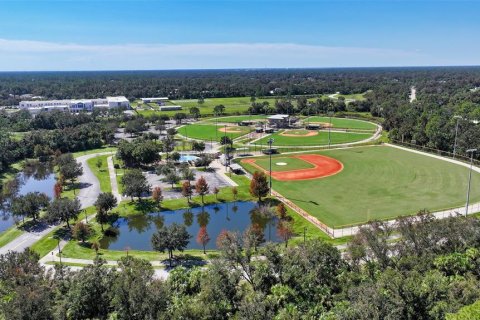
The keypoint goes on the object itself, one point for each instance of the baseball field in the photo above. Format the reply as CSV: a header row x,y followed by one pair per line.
x,y
351,186
342,123
212,132
302,137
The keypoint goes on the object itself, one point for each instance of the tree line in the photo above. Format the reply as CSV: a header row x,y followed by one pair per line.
x,y
422,268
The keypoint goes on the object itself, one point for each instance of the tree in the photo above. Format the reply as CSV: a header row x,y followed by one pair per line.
x,y
187,190
281,211
255,235
157,196
195,112
30,205
105,202
57,190
69,168
64,209
188,174
175,156
81,231
203,238
201,187
172,177
219,109
134,183
87,295
259,185
234,193
174,237
198,146
215,192
135,295
98,163
285,231
226,140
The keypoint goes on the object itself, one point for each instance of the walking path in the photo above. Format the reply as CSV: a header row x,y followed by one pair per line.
x,y
90,189
113,179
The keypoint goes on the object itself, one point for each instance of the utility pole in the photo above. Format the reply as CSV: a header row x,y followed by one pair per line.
x,y
270,142
456,133
472,152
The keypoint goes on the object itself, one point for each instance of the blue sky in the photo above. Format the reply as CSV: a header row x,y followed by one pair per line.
x,y
116,35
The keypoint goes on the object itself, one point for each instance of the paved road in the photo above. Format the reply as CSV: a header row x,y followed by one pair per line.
x,y
90,186
87,196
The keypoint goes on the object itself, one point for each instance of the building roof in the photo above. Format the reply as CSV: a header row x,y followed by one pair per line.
x,y
279,117
153,99
117,99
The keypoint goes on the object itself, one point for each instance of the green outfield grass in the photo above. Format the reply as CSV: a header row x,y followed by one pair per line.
x,y
210,132
291,164
235,119
318,140
343,123
379,183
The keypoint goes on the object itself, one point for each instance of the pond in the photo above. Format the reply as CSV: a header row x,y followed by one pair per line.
x,y
135,232
33,178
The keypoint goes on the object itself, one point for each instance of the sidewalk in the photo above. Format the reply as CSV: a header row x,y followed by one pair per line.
x,y
113,179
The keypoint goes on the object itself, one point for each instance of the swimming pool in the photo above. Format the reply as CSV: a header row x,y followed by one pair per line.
x,y
187,157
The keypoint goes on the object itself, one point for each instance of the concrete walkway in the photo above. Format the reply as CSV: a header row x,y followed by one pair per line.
x,y
113,179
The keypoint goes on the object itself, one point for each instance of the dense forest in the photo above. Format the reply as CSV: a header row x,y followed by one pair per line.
x,y
233,83
430,271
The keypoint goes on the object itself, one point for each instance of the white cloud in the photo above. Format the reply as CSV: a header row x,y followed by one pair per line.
x,y
38,55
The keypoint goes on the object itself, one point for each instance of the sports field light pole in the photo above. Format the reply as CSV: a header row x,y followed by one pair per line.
x,y
472,151
456,133
270,142
186,136
225,146
329,128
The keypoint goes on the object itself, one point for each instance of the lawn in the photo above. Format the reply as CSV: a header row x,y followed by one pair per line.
x,y
320,139
99,150
235,119
210,132
102,172
344,123
379,182
284,164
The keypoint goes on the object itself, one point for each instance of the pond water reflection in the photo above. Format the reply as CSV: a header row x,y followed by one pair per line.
x,y
36,176
135,232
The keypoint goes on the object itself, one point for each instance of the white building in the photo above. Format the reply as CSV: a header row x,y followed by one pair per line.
x,y
74,105
148,100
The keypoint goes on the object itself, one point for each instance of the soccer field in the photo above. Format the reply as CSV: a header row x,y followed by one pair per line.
x,y
318,138
211,132
377,183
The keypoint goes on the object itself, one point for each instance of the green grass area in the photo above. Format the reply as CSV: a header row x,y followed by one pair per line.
x,y
379,182
101,172
9,235
278,164
211,132
320,139
353,96
99,150
343,123
235,119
